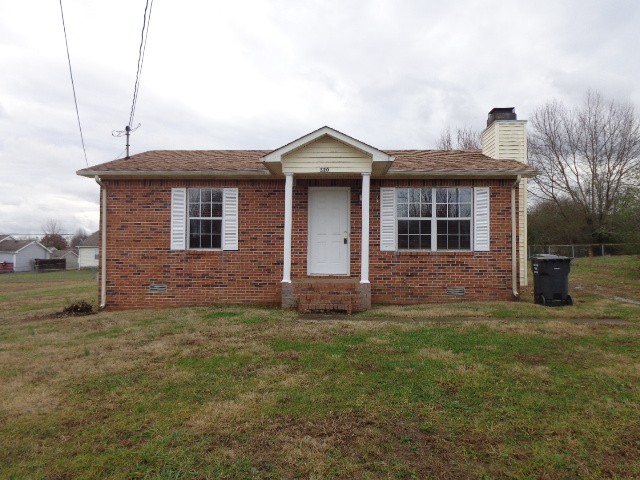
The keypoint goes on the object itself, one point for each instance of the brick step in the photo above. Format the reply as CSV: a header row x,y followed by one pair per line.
x,y
325,302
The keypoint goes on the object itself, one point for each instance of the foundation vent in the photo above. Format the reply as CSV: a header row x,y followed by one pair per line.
x,y
455,291
157,288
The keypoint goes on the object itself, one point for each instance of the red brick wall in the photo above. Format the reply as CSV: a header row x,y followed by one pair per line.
x,y
412,277
138,254
138,219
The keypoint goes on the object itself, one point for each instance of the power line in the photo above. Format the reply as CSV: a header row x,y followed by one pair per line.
x,y
73,86
141,51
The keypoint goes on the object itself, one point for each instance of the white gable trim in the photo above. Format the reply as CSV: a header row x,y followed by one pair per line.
x,y
376,155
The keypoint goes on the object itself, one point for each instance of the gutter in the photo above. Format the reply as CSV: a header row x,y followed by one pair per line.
x,y
514,252
103,243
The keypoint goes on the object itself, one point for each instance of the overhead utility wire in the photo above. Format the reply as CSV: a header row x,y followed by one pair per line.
x,y
73,86
143,47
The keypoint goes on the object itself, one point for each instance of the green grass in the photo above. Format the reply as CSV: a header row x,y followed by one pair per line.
x,y
258,393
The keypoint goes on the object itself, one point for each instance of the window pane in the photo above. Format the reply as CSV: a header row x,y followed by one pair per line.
x,y
452,195
465,195
465,227
465,242
205,241
194,227
442,242
425,210
194,209
453,211
465,210
414,242
414,210
403,227
425,227
414,227
441,195
216,241
403,242
216,210
194,241
205,210
441,211
453,228
216,195
205,195
425,242
205,226
403,210
402,195
194,195
414,195
426,195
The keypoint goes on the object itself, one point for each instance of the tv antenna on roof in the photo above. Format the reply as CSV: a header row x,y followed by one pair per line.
x,y
126,132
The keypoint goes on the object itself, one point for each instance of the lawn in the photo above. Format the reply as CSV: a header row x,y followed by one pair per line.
x,y
260,393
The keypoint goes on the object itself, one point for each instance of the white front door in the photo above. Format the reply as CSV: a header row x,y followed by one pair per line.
x,y
328,246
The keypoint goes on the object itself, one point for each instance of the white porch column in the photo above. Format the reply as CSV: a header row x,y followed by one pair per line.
x,y
288,223
364,250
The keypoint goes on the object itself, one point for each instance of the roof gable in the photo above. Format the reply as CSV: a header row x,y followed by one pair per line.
x,y
376,155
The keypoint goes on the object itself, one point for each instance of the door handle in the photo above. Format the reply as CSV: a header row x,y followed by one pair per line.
x,y
346,237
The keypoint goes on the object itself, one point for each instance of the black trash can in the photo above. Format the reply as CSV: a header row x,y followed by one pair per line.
x,y
551,280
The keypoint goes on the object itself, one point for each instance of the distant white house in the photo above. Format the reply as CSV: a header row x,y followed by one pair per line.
x,y
22,253
70,256
88,251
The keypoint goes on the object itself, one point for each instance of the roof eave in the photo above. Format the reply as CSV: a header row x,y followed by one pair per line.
x,y
460,174
173,173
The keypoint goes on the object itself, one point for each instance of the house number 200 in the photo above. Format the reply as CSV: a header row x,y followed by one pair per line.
x,y
324,169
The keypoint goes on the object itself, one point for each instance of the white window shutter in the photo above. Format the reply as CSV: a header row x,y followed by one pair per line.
x,y
230,219
481,219
388,219
178,218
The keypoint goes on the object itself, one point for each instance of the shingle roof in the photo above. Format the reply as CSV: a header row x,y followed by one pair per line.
x,y
91,240
454,161
434,162
11,246
62,253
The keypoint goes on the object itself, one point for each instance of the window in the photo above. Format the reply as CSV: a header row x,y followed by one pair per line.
x,y
205,218
427,214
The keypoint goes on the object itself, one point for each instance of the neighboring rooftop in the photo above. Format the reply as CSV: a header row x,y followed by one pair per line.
x,y
12,246
91,240
62,253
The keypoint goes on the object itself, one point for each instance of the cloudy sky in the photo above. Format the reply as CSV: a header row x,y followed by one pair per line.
x,y
258,74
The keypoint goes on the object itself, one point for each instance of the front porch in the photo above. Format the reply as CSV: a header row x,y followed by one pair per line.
x,y
326,220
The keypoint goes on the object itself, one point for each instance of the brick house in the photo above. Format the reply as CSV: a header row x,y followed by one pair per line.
x,y
285,226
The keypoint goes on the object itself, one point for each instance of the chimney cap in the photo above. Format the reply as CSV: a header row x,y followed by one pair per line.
x,y
501,113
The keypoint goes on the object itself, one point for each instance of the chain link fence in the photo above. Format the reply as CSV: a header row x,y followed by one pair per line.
x,y
587,250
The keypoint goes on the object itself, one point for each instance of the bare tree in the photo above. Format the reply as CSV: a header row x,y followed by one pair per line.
x,y
52,226
466,139
78,237
589,155
53,238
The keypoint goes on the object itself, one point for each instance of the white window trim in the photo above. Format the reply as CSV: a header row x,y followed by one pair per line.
x,y
179,234
473,246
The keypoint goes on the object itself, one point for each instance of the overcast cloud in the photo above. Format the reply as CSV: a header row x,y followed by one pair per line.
x,y
258,74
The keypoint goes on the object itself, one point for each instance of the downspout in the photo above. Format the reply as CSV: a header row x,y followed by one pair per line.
x,y
514,251
103,243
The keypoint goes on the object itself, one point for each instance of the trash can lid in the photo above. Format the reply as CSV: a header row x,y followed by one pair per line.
x,y
546,256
